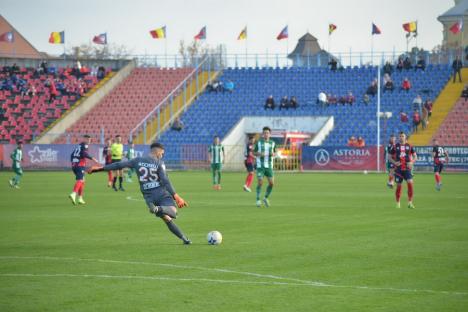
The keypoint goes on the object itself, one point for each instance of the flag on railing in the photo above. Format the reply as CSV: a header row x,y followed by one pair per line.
x,y
376,30
283,34
7,37
243,34
331,28
457,27
410,27
201,35
57,37
159,33
100,39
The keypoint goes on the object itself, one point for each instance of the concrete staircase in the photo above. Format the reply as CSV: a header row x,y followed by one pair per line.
x,y
442,106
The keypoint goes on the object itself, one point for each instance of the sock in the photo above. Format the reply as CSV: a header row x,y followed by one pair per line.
x,y
175,230
410,192
437,177
81,189
219,177
77,186
398,192
114,181
109,176
390,179
259,190
268,190
249,179
213,173
120,181
17,179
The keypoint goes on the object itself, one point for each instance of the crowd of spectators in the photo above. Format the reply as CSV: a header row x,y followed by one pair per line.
x,y
220,86
324,99
359,142
285,103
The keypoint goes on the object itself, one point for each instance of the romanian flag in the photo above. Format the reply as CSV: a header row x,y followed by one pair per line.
x,y
376,30
457,27
100,39
7,37
159,33
283,34
57,37
410,27
243,34
331,28
201,35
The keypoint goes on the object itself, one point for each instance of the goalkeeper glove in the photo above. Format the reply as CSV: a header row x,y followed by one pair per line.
x,y
180,201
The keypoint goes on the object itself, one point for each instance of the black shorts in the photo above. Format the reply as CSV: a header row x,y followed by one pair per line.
x,y
438,167
116,160
79,172
401,175
249,166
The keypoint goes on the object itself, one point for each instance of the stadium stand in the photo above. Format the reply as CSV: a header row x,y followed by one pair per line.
x,y
216,113
128,103
454,129
24,114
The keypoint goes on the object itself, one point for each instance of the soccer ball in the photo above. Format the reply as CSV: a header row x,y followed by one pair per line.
x,y
365,171
214,238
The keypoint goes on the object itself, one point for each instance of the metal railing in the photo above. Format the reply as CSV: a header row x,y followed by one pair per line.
x,y
156,120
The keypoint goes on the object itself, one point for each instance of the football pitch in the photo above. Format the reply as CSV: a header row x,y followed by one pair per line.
x,y
329,242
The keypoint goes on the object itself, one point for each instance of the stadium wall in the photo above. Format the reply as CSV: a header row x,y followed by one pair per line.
x,y
323,158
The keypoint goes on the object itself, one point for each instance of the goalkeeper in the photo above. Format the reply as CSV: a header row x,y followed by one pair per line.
x,y
155,186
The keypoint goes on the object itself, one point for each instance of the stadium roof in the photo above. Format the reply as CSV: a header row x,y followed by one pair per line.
x,y
306,46
20,48
460,9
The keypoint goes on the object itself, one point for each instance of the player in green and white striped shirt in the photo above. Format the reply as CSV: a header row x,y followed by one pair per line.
x,y
265,151
216,156
16,158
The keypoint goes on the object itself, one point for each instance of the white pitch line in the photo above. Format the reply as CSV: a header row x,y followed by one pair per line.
x,y
297,282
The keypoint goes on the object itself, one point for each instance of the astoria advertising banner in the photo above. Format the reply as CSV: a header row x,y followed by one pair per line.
x,y
56,156
340,158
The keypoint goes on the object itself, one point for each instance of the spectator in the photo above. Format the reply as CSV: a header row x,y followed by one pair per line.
x,y
366,99
322,99
372,89
342,100
389,86
465,92
405,85
400,64
293,102
421,64
284,103
352,142
229,86
177,125
407,63
43,67
52,90
360,142
416,120
457,65
404,117
425,118
428,106
350,99
332,99
101,73
270,103
418,104
333,64
388,68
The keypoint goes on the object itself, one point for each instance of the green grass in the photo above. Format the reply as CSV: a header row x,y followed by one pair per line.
x,y
341,230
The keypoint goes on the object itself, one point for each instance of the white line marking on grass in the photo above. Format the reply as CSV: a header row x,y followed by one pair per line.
x,y
134,199
293,281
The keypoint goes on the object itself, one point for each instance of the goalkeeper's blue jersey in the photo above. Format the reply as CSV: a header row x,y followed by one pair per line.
x,y
151,173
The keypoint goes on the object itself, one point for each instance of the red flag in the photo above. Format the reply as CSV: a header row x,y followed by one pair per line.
x,y
201,35
7,37
283,34
457,27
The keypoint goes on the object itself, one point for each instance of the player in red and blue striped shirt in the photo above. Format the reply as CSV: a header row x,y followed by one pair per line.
x,y
403,157
78,161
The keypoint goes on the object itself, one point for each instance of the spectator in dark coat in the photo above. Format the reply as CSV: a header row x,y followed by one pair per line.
x,y
293,102
284,103
421,64
270,103
457,65
333,64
